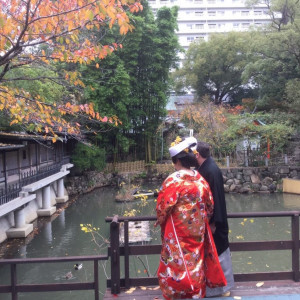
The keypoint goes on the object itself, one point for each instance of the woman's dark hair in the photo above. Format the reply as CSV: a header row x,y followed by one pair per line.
x,y
187,159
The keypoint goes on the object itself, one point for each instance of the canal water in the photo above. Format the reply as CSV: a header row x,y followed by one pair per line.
x,y
62,236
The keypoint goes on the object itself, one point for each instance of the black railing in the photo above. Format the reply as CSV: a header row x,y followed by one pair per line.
x,y
14,288
27,177
116,250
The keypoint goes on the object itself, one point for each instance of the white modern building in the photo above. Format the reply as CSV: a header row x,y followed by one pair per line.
x,y
199,18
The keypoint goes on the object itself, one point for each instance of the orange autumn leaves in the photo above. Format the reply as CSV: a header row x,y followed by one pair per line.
x,y
209,120
26,25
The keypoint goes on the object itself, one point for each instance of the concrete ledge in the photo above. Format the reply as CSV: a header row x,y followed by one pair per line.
x,y
62,199
15,204
19,232
46,212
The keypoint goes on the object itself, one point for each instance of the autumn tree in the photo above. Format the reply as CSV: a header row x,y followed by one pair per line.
x,y
210,122
39,33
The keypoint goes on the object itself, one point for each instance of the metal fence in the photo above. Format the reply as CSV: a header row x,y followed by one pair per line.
x,y
12,189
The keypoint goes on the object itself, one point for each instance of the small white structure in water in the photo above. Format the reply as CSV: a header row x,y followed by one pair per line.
x,y
139,232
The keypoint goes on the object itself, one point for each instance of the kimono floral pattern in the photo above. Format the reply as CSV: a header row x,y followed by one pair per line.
x,y
189,260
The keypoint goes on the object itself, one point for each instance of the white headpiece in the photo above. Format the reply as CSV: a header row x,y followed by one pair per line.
x,y
179,145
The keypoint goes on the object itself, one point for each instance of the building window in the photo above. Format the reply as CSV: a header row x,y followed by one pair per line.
x,y
199,26
190,38
199,1
220,25
236,12
245,25
199,13
24,154
200,37
189,26
210,26
257,24
245,13
236,25
211,1
221,12
212,13
257,12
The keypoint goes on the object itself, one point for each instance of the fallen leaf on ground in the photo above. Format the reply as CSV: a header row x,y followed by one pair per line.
x,y
130,290
260,284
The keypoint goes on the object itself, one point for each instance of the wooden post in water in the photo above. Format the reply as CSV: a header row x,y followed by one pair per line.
x,y
115,255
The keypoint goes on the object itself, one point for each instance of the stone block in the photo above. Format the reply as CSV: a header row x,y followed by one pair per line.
x,y
19,232
284,170
46,212
255,179
62,199
247,172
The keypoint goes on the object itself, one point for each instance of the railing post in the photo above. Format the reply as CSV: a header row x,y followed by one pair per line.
x,y
295,250
115,255
126,249
13,278
96,279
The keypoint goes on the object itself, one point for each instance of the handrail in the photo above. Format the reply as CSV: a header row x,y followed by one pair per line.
x,y
126,250
14,288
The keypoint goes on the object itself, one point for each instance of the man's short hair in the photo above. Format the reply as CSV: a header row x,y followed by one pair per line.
x,y
203,149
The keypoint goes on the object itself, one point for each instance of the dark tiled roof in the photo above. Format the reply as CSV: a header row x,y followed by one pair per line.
x,y
23,136
8,147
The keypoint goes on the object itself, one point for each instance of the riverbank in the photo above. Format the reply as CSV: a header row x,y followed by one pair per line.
x,y
244,180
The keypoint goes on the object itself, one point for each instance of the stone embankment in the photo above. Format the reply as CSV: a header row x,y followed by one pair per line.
x,y
260,179
236,180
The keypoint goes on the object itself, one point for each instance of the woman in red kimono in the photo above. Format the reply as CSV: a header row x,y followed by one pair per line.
x,y
189,260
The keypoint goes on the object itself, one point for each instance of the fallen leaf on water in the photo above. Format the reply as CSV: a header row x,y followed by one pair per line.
x,y
260,284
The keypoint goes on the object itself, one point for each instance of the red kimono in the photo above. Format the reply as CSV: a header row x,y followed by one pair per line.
x,y
189,260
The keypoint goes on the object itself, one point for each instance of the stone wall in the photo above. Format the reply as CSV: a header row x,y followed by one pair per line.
x,y
236,180
88,181
260,179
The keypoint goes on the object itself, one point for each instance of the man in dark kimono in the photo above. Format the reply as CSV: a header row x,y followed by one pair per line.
x,y
219,225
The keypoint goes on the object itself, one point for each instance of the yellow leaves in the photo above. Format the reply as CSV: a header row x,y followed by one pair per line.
x,y
14,122
130,290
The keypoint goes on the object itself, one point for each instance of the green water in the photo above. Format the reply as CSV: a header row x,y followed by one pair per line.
x,y
63,237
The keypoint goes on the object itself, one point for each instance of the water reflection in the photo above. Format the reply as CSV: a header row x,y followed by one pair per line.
x,y
63,237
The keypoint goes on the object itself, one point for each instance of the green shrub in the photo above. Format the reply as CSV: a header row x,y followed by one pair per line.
x,y
87,158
